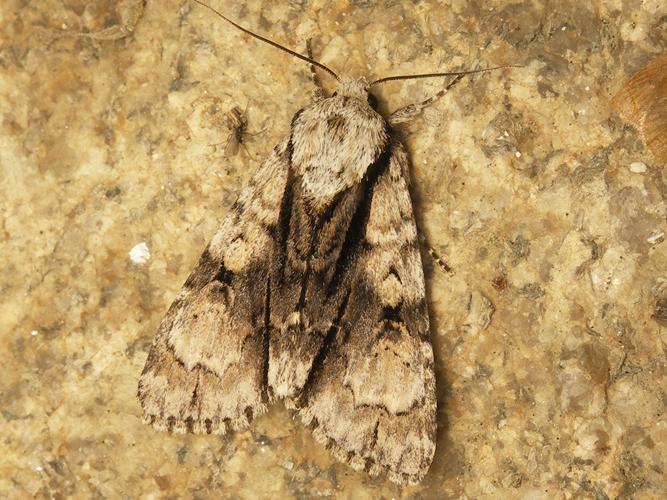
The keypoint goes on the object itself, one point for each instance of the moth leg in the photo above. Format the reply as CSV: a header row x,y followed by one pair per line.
x,y
409,112
432,253
319,93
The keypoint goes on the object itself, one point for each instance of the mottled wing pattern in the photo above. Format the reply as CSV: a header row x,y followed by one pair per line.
x,y
372,396
206,370
312,291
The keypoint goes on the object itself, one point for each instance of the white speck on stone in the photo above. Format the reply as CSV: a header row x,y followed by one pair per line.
x,y
288,464
64,26
506,134
638,167
518,154
588,88
34,333
563,28
39,468
656,237
140,254
598,280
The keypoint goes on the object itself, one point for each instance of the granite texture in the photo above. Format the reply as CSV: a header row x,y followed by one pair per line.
x,y
550,336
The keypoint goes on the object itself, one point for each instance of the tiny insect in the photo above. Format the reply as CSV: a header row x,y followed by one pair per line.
x,y
312,292
237,122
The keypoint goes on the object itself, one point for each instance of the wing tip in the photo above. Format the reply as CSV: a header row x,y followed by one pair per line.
x,y
355,461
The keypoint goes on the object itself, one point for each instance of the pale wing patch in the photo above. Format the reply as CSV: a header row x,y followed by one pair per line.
x,y
195,335
390,291
288,371
247,247
394,361
237,255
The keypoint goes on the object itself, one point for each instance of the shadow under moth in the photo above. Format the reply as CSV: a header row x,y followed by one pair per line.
x,y
311,292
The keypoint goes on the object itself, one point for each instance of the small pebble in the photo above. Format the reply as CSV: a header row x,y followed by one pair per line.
x,y
655,238
638,167
140,254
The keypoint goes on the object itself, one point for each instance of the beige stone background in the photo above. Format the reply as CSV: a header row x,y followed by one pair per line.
x,y
550,349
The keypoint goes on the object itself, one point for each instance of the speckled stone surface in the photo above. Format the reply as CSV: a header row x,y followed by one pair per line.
x,y
550,336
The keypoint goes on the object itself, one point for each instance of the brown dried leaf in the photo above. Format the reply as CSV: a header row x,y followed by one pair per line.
x,y
643,103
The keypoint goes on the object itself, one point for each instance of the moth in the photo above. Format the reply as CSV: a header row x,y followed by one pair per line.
x,y
311,292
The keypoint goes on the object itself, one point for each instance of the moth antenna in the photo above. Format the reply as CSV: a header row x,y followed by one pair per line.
x,y
270,42
435,75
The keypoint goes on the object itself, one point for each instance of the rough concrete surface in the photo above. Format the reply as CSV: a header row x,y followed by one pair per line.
x,y
550,335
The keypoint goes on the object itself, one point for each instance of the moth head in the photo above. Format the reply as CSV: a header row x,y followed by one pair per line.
x,y
356,88
353,87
